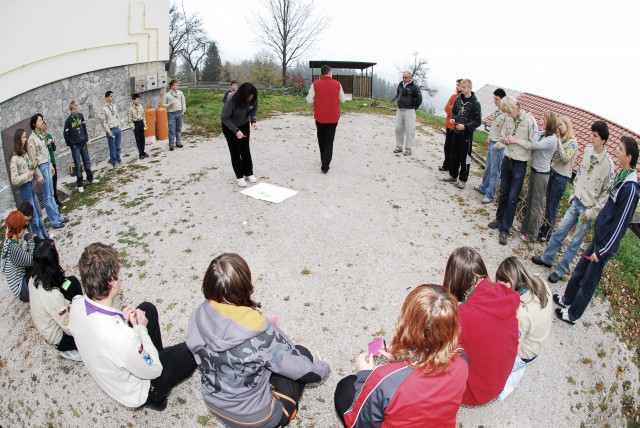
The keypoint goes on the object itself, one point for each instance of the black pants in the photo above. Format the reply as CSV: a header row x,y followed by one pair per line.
x,y
288,391
461,148
55,184
326,133
239,150
67,343
344,395
448,141
177,361
138,132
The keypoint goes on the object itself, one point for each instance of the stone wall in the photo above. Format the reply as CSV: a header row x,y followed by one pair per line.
x,y
52,100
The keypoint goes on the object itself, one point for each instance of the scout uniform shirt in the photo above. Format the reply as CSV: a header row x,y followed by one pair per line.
x,y
37,147
20,167
593,180
136,113
109,117
180,103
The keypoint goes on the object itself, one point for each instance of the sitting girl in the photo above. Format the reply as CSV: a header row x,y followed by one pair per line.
x,y
51,291
423,383
252,375
16,259
489,328
534,317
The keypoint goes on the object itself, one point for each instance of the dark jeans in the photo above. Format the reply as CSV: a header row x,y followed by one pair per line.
x,y
55,184
326,133
138,132
557,185
24,290
511,179
177,361
239,150
79,152
583,282
448,140
284,388
344,396
460,157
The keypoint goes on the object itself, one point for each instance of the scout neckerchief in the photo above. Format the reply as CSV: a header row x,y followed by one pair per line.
x,y
41,135
620,177
76,122
516,122
111,109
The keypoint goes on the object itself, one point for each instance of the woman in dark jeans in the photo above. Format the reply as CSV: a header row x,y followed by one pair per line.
x,y
561,170
239,114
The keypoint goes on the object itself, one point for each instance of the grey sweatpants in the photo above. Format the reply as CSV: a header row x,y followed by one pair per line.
x,y
405,127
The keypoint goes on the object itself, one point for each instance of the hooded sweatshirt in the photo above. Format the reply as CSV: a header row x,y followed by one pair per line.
x,y
489,337
236,350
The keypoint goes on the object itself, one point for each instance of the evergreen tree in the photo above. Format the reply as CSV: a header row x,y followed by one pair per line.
x,y
212,64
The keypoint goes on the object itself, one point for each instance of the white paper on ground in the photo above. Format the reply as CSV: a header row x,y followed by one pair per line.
x,y
269,192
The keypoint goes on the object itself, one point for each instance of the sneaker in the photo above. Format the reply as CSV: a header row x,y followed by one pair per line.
x,y
397,150
94,181
538,260
407,152
146,155
563,315
72,355
179,146
170,149
59,204
449,179
158,407
494,224
524,237
478,189
115,165
554,277
559,300
60,226
140,157
542,238
486,200
65,220
461,184
251,178
502,239
442,168
242,182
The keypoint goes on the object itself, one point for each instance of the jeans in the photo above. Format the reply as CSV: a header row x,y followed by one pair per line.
x,y
50,205
405,127
239,150
569,220
326,134
460,160
175,128
583,282
28,194
114,146
535,199
491,176
557,185
515,377
79,152
512,175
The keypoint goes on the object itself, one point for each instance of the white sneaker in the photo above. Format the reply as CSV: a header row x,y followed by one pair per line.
x,y
251,178
95,181
80,189
71,355
242,182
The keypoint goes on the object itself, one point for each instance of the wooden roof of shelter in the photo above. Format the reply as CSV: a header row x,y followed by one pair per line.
x,y
357,65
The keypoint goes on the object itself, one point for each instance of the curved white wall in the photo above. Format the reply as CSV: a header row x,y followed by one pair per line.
x,y
44,41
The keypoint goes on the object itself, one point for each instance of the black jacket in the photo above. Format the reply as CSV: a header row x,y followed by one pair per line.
x,y
75,130
467,111
409,96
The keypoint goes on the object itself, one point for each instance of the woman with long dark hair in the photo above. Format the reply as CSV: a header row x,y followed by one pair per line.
x,y
50,294
239,114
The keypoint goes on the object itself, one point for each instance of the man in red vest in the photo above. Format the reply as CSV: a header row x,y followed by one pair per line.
x,y
325,95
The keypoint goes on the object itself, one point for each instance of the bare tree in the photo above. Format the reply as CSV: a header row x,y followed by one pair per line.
x,y
194,52
182,26
419,70
288,28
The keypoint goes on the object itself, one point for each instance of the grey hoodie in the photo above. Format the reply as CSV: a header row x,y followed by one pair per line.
x,y
236,350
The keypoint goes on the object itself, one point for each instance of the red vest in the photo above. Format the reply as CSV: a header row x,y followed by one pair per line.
x,y
327,100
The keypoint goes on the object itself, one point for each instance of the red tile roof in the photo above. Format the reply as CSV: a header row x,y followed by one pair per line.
x,y
581,121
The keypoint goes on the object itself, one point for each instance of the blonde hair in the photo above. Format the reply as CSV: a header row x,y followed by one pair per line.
x,y
509,104
428,329
568,135
467,82
512,272
73,104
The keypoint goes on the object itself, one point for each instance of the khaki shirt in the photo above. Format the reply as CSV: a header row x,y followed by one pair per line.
x,y
37,147
49,312
564,158
136,113
496,126
526,134
20,167
178,98
593,180
109,117
534,324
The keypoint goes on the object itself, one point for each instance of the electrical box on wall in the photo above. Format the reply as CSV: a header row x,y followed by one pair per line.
x,y
152,81
162,79
138,84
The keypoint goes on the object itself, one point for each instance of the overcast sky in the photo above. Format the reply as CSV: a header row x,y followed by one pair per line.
x,y
580,52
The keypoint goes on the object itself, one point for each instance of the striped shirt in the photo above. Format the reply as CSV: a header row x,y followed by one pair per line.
x,y
14,260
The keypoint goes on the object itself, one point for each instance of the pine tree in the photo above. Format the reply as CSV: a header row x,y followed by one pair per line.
x,y
212,64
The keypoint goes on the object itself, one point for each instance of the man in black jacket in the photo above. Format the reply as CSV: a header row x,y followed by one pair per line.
x,y
409,96
466,117
77,138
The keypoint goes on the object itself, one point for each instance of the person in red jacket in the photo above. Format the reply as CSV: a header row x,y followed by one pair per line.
x,y
325,95
488,322
423,383
448,139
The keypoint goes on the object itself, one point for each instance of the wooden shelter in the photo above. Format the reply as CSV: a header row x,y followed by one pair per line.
x,y
359,86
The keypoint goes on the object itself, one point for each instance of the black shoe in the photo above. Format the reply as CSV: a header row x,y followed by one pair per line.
x,y
494,224
441,168
158,407
140,157
553,278
563,315
538,260
324,169
60,226
179,146
559,300
59,204
502,239
171,148
65,221
146,155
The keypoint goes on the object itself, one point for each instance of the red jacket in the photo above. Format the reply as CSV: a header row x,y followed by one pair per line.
x,y
327,100
449,108
395,395
490,339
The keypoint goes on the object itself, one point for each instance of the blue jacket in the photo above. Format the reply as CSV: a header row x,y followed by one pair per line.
x,y
75,130
613,220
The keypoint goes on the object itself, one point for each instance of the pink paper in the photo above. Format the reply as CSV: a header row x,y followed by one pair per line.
x,y
376,345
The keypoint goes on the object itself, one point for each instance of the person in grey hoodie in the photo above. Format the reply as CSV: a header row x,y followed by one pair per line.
x,y
251,373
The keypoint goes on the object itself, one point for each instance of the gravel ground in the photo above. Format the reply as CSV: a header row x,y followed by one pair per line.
x,y
334,262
